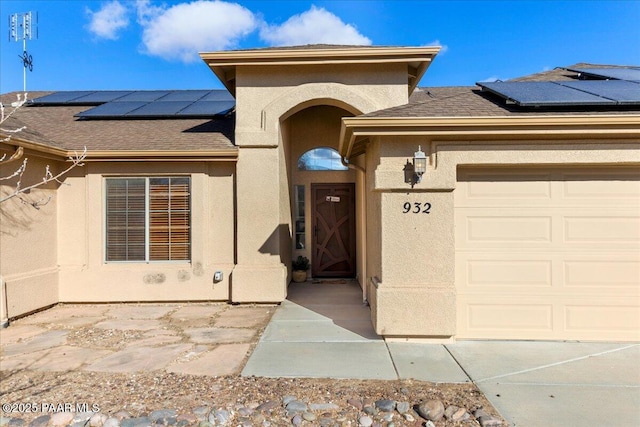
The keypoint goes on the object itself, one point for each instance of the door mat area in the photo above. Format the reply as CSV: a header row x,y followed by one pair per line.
x,y
330,281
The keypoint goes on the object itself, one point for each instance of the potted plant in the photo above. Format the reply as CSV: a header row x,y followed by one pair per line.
x,y
300,267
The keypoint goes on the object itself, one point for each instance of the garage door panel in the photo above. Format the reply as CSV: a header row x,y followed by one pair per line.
x,y
601,229
595,318
589,273
508,229
623,185
590,190
531,272
495,188
551,228
568,317
507,272
556,259
503,227
491,316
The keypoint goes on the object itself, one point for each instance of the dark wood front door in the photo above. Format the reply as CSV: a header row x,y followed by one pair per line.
x,y
334,237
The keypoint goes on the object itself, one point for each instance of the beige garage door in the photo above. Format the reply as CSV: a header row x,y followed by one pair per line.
x,y
548,254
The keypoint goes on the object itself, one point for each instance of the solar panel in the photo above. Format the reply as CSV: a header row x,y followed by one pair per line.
x,y
218,95
144,103
207,108
621,91
534,94
158,109
111,110
100,97
144,95
629,73
185,95
58,98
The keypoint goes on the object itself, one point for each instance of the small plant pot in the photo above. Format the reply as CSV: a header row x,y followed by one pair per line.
x,y
299,276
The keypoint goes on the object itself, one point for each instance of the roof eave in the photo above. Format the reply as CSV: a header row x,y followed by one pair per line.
x,y
230,154
162,155
224,63
487,127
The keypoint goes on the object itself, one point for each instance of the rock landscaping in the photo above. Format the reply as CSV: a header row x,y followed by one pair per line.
x,y
167,399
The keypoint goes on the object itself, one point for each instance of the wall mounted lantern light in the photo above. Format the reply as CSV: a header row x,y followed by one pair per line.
x,y
419,164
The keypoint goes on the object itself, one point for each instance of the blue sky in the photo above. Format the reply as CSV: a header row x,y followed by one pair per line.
x,y
152,45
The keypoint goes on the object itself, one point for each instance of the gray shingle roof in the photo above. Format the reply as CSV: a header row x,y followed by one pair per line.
x,y
471,101
56,126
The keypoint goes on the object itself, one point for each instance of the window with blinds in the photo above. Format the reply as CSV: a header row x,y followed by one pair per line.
x,y
148,219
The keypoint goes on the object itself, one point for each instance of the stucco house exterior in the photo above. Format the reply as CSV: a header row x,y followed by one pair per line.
x,y
524,224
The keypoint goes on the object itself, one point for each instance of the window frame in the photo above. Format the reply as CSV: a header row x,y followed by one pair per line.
x,y
147,230
335,157
299,193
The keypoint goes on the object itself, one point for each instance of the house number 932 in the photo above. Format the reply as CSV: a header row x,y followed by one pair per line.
x,y
416,207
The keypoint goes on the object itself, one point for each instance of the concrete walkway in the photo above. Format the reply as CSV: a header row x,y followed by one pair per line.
x,y
324,330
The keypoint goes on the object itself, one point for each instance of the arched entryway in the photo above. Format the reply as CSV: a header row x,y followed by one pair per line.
x,y
324,206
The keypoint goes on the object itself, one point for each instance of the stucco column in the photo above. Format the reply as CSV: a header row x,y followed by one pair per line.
x,y
260,275
414,294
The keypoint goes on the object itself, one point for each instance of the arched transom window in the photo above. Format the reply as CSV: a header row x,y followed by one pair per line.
x,y
321,159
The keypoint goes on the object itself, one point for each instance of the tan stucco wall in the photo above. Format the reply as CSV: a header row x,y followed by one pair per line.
x,y
28,239
361,223
411,269
86,277
267,94
373,226
266,97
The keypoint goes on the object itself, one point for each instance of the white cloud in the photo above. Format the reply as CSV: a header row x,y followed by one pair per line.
x,y
443,47
183,30
106,22
147,12
313,26
490,79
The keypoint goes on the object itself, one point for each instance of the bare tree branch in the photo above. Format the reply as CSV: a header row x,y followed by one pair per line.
x,y
4,116
17,190
15,156
76,160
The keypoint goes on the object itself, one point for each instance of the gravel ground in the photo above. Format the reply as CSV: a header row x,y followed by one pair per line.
x,y
142,393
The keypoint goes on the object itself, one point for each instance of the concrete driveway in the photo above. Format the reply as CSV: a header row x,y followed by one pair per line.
x,y
536,383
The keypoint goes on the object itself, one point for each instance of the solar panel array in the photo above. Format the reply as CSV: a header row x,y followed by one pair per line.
x,y
624,73
621,91
143,103
613,87
531,94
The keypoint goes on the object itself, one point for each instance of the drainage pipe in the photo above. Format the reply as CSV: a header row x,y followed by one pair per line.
x,y
4,317
346,163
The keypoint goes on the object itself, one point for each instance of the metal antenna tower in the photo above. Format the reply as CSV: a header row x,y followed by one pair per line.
x,y
22,28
